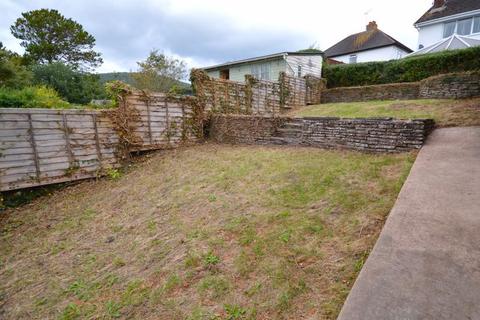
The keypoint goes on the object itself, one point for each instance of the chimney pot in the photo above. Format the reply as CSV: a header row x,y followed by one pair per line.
x,y
438,3
372,25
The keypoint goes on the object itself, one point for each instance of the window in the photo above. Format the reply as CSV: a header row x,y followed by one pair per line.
x,y
299,71
255,71
353,58
449,29
265,72
261,71
464,26
476,24
225,74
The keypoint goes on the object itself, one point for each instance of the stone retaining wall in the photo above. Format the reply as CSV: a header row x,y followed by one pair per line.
x,y
450,86
453,85
394,91
370,135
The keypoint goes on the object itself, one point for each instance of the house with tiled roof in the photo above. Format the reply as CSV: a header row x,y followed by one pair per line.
x,y
458,21
370,45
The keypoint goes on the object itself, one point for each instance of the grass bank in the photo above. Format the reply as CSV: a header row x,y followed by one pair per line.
x,y
209,232
446,113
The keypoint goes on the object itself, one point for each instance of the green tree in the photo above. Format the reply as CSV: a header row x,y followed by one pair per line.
x,y
72,85
313,48
159,73
48,37
13,74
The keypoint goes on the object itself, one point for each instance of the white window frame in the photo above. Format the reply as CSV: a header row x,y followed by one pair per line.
x,y
299,71
445,27
455,30
469,32
261,71
473,25
353,58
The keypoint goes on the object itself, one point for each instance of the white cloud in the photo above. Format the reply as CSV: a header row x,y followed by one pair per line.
x,y
205,32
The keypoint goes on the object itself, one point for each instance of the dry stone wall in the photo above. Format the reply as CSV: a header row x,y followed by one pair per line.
x,y
453,85
394,91
450,86
370,135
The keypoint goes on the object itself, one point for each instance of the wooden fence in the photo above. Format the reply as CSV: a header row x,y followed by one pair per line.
x,y
43,146
256,97
164,121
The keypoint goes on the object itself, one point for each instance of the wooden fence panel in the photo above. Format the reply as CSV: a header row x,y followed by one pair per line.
x,y
44,146
164,121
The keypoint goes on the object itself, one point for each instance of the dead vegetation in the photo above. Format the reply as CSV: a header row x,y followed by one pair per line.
x,y
209,232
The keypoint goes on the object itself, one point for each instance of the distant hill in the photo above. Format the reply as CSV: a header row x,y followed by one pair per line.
x,y
127,78
122,76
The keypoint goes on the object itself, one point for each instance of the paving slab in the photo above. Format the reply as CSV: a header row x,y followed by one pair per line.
x,y
426,262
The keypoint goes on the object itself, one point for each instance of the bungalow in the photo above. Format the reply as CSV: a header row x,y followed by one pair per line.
x,y
453,19
370,45
269,67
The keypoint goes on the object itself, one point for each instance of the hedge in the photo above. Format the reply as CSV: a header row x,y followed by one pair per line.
x,y
409,69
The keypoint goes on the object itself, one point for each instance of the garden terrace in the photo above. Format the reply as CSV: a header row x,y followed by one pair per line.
x,y
445,112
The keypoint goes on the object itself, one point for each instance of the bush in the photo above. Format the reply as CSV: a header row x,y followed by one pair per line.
x,y
409,69
31,97
13,73
72,85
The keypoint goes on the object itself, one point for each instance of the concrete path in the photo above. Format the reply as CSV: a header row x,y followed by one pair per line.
x,y
426,262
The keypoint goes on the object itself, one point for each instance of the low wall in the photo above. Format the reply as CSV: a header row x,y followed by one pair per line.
x,y
453,85
42,146
370,135
394,91
449,86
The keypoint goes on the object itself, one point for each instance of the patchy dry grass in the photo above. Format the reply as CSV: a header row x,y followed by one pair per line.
x,y
209,232
446,113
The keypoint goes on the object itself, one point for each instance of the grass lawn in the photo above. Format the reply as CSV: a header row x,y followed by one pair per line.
x,y
208,232
446,113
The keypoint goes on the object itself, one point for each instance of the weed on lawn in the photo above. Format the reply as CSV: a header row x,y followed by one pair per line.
x,y
208,232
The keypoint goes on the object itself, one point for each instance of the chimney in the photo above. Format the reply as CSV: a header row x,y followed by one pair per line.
x,y
438,3
372,25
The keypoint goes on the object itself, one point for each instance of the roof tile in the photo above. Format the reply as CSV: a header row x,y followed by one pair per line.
x,y
371,39
451,7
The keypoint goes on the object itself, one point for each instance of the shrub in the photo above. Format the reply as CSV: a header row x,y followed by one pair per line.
x,y
31,97
72,85
409,69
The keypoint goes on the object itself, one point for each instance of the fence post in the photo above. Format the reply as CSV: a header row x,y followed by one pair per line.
x,y
283,90
67,139
249,81
167,119
34,147
97,142
147,103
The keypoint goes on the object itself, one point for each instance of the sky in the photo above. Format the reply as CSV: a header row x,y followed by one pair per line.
x,y
207,32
